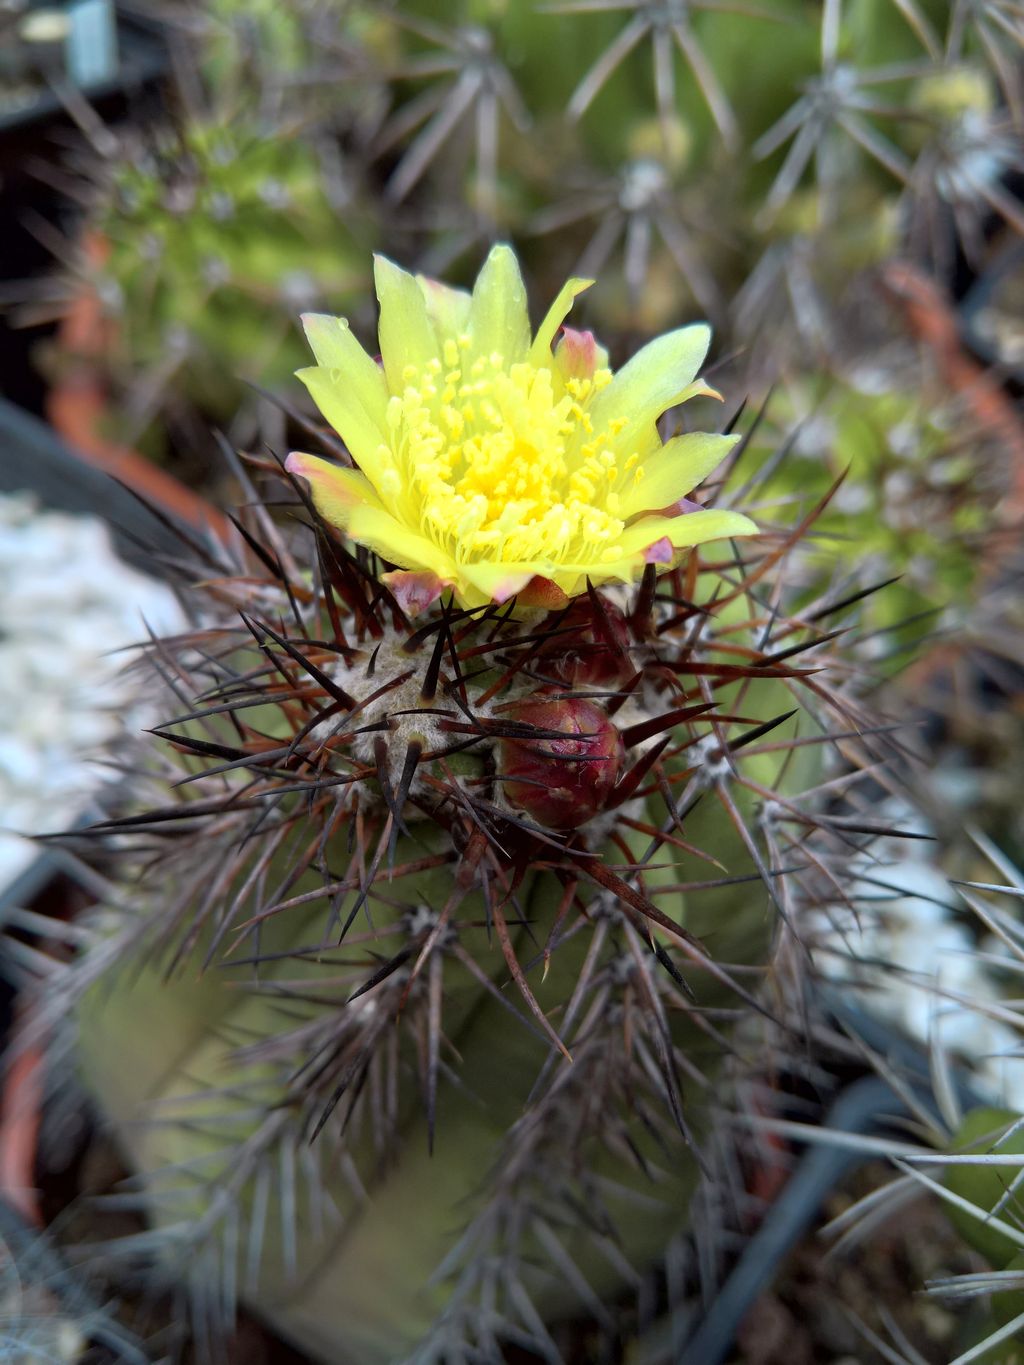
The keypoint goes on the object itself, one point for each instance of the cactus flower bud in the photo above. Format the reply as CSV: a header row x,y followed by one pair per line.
x,y
560,783
590,644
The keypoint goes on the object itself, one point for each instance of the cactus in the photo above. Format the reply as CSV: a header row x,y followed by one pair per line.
x,y
209,238
924,951
435,937
697,152
907,468
49,1313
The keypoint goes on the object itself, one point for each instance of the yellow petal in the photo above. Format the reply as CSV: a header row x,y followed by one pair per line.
x,y
700,388
348,417
335,489
498,320
379,531
539,583
674,471
407,335
689,528
447,308
336,349
479,583
540,351
657,377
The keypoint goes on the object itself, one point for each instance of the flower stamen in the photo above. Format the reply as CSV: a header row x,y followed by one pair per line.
x,y
489,463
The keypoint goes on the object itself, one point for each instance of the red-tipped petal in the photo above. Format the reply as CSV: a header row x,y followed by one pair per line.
x,y
542,592
509,586
577,355
660,552
415,592
300,465
678,508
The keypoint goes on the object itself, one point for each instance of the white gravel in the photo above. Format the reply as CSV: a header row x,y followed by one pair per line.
x,y
68,610
904,949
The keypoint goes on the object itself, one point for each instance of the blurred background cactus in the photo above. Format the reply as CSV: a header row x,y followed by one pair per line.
x,y
205,240
752,166
898,465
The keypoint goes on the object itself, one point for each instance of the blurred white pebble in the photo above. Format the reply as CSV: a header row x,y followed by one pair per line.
x,y
902,946
69,612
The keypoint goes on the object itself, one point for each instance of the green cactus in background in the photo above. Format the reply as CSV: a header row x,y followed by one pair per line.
x,y
693,158
908,501
727,145
322,61
210,238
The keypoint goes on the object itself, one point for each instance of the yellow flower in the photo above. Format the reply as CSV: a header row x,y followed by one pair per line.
x,y
491,465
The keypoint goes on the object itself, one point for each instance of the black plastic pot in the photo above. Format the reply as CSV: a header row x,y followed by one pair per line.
x,y
34,458
32,138
141,61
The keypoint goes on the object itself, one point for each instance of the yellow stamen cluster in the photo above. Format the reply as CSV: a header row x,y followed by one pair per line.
x,y
494,462
491,461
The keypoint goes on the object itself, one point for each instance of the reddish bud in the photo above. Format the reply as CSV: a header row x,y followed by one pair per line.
x,y
578,355
659,552
590,646
415,591
561,782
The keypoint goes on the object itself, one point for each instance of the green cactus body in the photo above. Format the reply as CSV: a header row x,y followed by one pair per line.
x,y
211,243
985,1130
478,858
211,1079
913,502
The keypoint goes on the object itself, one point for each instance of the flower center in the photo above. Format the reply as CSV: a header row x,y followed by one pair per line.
x,y
494,464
